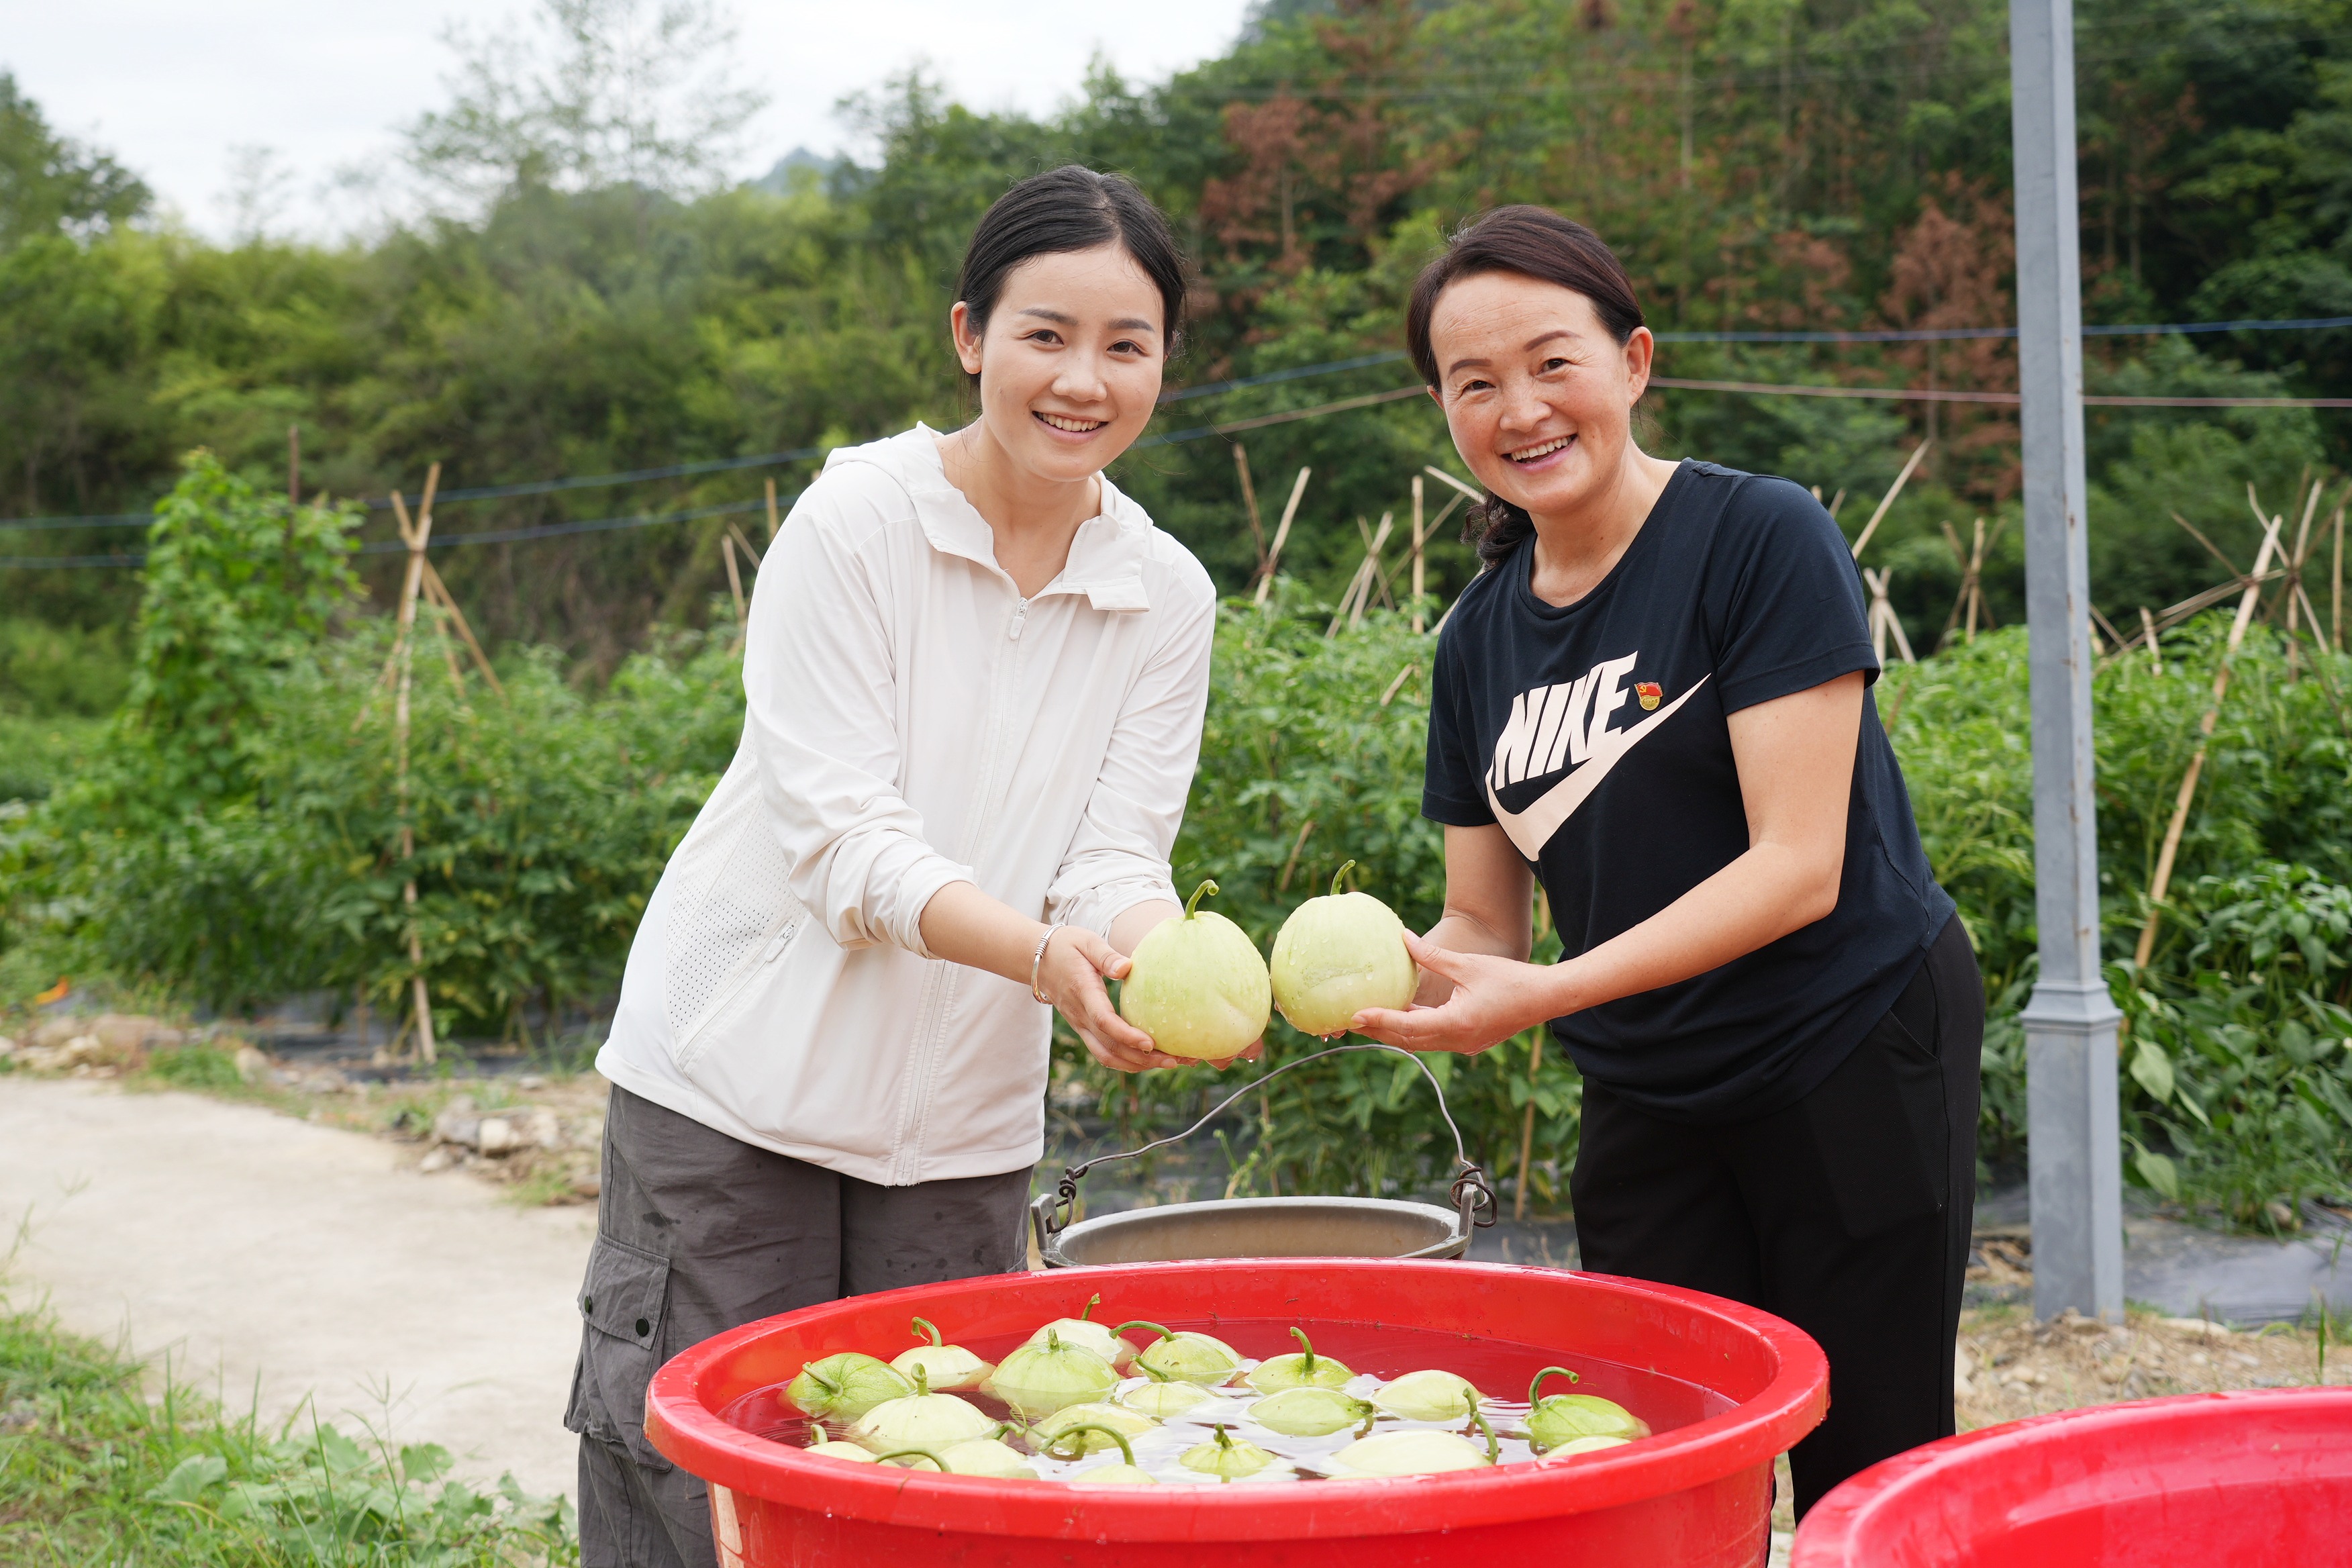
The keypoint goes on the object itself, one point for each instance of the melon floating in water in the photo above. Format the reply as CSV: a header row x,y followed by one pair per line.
x,y
920,1420
1186,1357
945,1368
1557,1420
1416,1453
1197,985
1300,1369
1225,1458
1336,956
846,1387
1428,1396
1309,1412
1086,1426
1038,1379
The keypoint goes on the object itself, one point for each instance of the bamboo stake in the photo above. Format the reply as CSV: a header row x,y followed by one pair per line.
x,y
415,537
772,511
1379,579
1970,598
1887,500
293,465
1439,628
2335,591
1884,621
1359,587
734,586
1419,537
1283,886
448,602
1281,533
1249,502
2155,653
1434,472
1398,684
1975,580
743,543
2171,846
2294,591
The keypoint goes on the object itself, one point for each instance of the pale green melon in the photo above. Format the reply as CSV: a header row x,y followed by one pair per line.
x,y
1336,956
1198,986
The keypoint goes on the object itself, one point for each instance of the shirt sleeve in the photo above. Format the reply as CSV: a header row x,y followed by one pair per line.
x,y
819,683
1119,856
1452,790
1784,604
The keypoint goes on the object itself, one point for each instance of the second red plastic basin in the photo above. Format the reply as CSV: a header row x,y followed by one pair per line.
x,y
1698,1495
2204,1480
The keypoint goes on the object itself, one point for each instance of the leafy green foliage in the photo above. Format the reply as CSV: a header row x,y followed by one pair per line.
x,y
2229,1065
93,1471
1759,166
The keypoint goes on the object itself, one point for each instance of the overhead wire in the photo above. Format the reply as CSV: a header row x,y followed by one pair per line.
x,y
1294,373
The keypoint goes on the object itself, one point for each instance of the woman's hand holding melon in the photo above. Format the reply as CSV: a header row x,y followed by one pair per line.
x,y
1493,999
1071,975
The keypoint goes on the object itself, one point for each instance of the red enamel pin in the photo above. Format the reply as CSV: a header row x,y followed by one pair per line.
x,y
1648,691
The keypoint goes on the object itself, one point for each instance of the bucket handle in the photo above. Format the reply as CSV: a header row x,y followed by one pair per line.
x,y
1474,1198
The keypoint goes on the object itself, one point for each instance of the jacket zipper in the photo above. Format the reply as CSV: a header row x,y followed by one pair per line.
x,y
908,1155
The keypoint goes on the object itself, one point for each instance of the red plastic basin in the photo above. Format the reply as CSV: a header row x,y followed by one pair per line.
x,y
1698,1494
2202,1481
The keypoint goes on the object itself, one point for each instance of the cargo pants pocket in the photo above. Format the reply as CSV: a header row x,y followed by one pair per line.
x,y
621,1308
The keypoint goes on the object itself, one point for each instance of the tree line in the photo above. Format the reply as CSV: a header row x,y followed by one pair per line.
x,y
599,304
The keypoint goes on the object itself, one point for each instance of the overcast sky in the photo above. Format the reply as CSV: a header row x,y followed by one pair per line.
x,y
173,88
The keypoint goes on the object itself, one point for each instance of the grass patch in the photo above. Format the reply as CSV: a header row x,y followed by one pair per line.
x,y
92,1471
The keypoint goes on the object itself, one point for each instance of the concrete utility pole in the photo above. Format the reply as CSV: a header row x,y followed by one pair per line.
x,y
2070,1024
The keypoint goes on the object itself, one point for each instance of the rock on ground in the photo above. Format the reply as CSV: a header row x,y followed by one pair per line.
x,y
260,1253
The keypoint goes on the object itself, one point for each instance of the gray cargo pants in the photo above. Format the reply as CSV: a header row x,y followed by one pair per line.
x,y
696,1233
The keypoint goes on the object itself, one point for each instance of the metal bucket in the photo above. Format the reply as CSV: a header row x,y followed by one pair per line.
x,y
1264,1227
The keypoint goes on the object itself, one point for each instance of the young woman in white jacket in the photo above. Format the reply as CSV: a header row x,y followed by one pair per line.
x,y
975,676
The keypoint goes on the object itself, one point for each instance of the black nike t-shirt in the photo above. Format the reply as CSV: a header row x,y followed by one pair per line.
x,y
1596,735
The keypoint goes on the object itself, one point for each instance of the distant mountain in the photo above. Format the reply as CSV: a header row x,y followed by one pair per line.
x,y
787,172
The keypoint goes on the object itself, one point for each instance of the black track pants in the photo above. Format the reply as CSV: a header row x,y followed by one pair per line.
x,y
1846,1214
696,1233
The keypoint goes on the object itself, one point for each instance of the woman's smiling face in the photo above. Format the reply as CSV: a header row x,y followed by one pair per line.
x,y
1070,360
1538,396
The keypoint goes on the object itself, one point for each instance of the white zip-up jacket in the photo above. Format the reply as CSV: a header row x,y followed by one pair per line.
x,y
912,722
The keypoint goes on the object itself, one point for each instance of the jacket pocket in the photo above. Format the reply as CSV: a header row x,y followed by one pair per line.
x,y
733,914
621,1304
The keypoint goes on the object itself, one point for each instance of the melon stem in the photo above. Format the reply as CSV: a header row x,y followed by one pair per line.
x,y
912,1454
1142,1323
1125,1452
1549,1371
1344,869
925,1326
1206,887
1305,1346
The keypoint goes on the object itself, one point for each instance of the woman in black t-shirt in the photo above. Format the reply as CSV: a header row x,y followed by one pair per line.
x,y
1657,700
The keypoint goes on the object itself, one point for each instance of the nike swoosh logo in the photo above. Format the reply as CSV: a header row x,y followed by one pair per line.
x,y
1532,829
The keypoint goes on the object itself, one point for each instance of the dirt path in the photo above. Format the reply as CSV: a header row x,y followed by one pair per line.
x,y
261,1252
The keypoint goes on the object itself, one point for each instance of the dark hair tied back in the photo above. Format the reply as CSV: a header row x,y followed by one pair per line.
x,y
1068,209
1538,243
